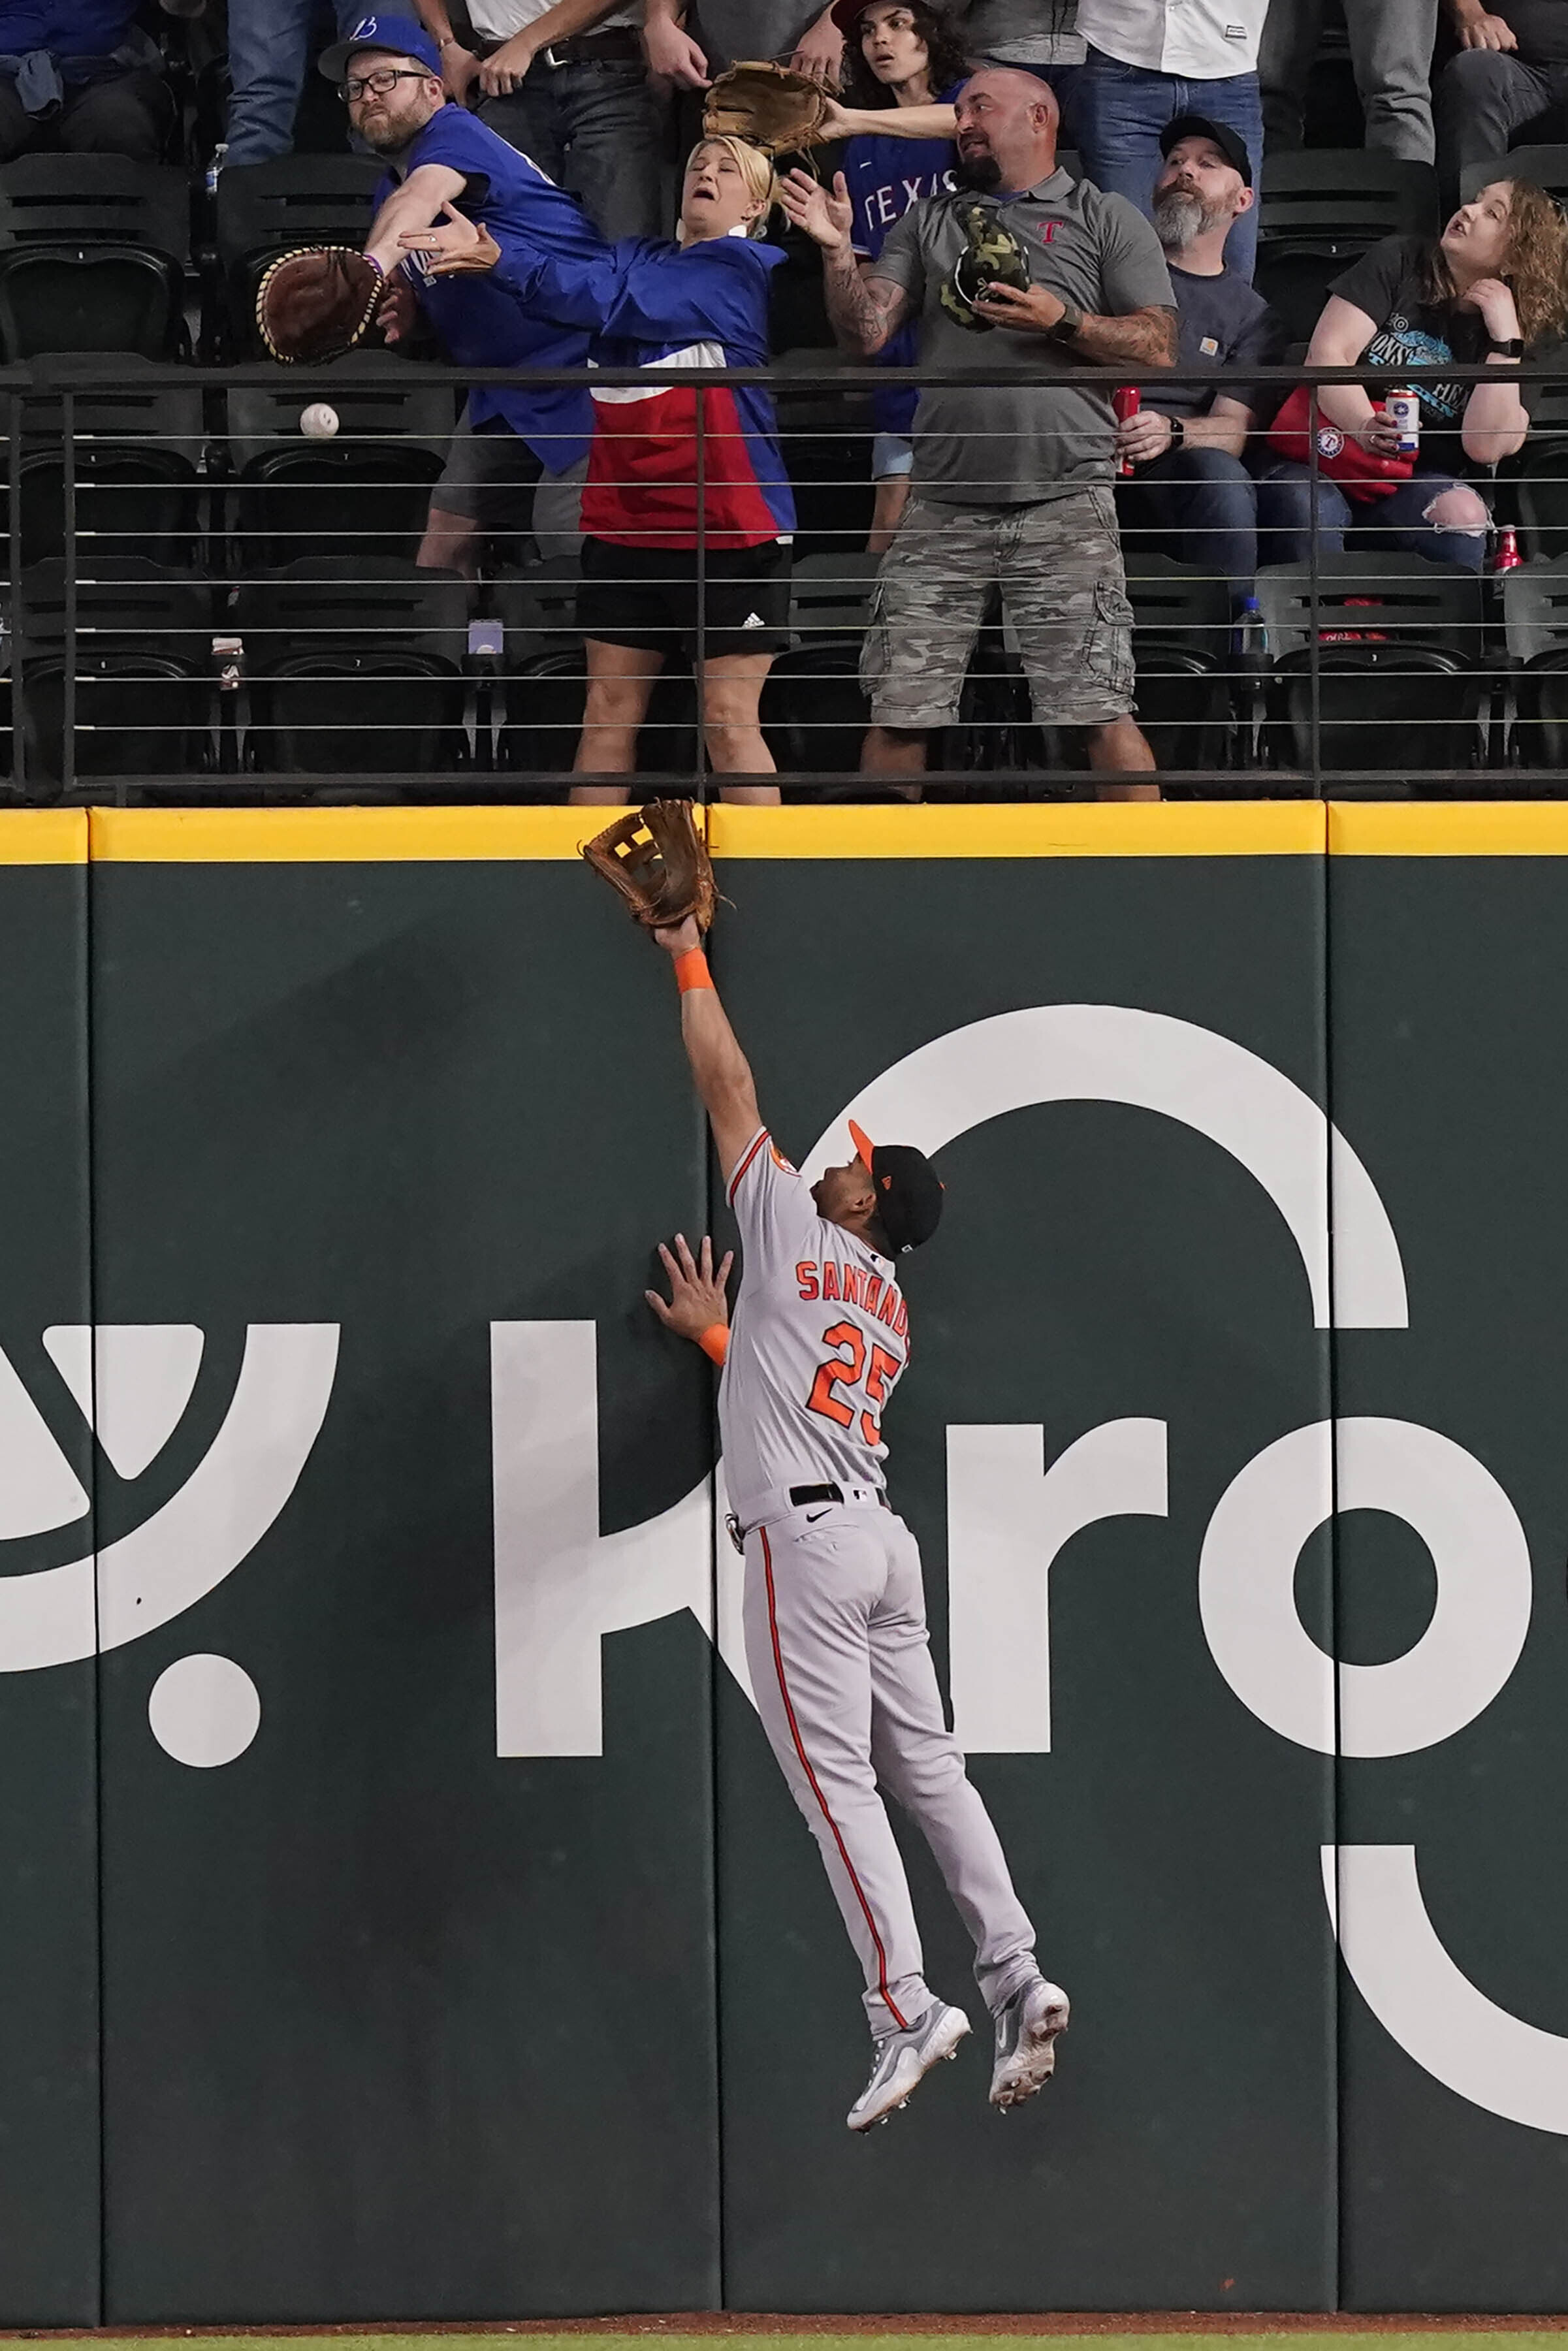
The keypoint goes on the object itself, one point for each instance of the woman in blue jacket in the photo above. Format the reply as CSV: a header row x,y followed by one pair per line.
x,y
697,303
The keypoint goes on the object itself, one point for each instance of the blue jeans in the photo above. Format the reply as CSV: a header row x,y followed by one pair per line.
x,y
595,128
1120,112
1285,519
1198,506
271,42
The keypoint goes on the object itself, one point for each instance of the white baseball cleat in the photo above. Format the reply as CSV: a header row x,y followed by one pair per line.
x,y
1027,2027
903,2061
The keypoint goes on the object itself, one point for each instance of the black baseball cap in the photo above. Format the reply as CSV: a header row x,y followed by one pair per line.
x,y
908,1189
1230,143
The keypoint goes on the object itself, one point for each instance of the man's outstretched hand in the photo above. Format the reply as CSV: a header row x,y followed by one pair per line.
x,y
696,1300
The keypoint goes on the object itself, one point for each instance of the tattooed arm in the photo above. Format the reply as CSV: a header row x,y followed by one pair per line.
x,y
864,311
1145,338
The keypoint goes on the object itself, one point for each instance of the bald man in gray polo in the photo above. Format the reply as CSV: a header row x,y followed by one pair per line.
x,y
1013,473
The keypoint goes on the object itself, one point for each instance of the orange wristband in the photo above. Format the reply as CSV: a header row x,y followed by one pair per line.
x,y
715,1342
692,971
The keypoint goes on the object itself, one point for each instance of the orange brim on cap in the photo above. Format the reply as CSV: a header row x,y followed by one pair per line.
x,y
862,1144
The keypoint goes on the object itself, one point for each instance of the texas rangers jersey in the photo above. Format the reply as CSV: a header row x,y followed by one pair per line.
x,y
820,1339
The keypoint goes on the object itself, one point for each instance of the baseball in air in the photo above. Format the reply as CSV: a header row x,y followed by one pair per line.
x,y
318,423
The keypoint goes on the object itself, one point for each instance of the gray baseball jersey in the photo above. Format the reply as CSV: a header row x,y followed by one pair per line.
x,y
834,1611
820,1339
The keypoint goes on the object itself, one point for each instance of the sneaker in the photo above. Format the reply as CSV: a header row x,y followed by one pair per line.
x,y
1027,2027
903,2061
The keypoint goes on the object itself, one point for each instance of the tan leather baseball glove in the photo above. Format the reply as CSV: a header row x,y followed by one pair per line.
x,y
658,861
770,107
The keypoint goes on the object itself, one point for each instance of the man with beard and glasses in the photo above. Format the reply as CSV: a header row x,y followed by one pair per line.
x,y
1013,470
518,454
1192,490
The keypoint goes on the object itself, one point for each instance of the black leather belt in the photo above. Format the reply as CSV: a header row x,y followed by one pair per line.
x,y
594,48
580,48
801,1495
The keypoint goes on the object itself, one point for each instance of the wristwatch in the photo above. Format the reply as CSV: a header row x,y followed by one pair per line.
x,y
1067,326
1178,432
1512,349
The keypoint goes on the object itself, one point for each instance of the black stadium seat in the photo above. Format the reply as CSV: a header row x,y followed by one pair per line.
x,y
1547,166
146,694
93,250
347,675
1181,649
814,714
136,451
1400,665
265,209
366,490
1318,208
1535,611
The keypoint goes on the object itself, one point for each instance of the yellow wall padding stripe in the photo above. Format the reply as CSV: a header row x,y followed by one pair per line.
x,y
1450,829
1064,829
1179,829
368,836
262,836
43,837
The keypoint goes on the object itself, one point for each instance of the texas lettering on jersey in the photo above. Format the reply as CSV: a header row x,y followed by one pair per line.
x,y
820,1339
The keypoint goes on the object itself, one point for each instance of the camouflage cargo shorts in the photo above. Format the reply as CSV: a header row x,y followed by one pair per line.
x,y
1059,566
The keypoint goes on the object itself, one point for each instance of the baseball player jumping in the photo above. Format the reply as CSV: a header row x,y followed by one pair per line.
x,y
834,1613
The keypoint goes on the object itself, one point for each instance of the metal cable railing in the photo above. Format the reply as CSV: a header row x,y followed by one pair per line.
x,y
204,602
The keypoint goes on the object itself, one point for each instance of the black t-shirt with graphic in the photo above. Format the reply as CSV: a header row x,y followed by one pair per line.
x,y
1414,332
1540,26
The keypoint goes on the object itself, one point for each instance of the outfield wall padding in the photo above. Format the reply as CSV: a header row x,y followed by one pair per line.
x,y
490,1973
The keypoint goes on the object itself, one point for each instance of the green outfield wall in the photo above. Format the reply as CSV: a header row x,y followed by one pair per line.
x,y
404,1915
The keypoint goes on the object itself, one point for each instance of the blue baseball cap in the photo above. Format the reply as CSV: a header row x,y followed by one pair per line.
x,y
400,37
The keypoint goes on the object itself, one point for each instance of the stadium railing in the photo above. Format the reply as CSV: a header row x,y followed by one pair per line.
x,y
204,603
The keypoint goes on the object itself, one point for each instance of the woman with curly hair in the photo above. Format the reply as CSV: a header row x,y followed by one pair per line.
x,y
1492,290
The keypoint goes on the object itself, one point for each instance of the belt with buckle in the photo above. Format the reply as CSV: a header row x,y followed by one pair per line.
x,y
801,1495
592,48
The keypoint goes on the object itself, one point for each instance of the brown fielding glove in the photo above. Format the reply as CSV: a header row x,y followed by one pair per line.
x,y
316,303
658,860
769,105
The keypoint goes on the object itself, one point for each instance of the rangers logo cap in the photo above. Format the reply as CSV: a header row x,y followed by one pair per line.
x,y
396,37
908,1189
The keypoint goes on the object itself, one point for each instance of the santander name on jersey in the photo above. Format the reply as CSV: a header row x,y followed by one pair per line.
x,y
820,1339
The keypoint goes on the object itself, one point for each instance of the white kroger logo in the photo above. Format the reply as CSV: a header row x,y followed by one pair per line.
x,y
561,1586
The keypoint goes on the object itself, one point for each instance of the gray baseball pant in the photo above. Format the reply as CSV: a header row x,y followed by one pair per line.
x,y
841,1665
1391,51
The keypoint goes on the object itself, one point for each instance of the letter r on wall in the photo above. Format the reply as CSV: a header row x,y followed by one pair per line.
x,y
1009,1518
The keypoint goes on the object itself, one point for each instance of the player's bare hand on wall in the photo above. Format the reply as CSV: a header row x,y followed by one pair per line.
x,y
696,1300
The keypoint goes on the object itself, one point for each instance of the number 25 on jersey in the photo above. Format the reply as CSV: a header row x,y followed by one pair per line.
x,y
845,1371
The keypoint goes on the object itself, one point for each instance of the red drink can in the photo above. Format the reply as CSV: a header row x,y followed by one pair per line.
x,y
1126,402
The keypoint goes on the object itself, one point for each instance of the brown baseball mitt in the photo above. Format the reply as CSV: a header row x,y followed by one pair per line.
x,y
316,304
658,860
770,107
